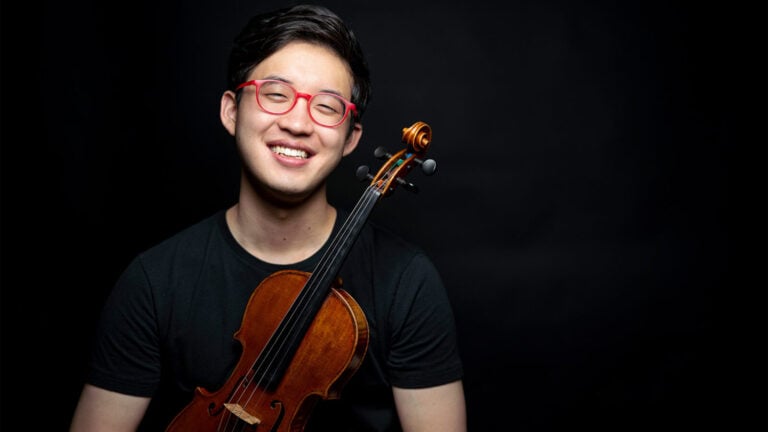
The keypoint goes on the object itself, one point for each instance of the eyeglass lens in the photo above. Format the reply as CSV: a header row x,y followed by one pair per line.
x,y
278,98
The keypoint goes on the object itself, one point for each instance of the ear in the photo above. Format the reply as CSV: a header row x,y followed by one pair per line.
x,y
353,138
228,111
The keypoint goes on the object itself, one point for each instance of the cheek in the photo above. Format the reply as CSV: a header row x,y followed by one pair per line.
x,y
248,136
335,139
252,124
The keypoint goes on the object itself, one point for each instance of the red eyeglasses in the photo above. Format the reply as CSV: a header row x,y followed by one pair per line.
x,y
277,97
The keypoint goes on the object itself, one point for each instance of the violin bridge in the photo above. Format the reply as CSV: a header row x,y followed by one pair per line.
x,y
242,414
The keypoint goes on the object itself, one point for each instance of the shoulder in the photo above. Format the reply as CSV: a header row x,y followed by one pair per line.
x,y
185,249
397,253
384,240
189,239
377,246
387,260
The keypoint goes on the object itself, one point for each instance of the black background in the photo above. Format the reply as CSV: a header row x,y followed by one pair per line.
x,y
598,213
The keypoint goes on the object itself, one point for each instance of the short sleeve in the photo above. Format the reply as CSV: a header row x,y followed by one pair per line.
x,y
126,355
423,350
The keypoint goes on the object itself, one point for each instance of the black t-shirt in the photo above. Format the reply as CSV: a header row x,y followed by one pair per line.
x,y
169,324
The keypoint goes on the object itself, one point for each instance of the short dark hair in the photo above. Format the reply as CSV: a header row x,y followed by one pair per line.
x,y
266,33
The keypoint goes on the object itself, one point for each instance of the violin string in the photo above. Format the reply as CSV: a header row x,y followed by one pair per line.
x,y
303,300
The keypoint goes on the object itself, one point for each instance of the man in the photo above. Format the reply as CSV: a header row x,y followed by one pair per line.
x,y
298,86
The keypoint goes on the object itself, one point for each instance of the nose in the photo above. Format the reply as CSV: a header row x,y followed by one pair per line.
x,y
298,119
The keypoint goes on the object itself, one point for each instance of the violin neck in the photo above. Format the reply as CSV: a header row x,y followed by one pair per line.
x,y
315,291
331,261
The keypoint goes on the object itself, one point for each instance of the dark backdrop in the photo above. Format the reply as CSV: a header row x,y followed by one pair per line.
x,y
598,212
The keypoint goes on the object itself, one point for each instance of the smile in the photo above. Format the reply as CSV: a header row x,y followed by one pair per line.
x,y
291,152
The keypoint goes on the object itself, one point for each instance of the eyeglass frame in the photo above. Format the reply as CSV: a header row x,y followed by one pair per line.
x,y
348,106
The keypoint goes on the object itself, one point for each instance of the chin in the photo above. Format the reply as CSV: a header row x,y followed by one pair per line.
x,y
289,197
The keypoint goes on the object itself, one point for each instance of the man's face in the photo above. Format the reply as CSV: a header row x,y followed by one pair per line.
x,y
289,155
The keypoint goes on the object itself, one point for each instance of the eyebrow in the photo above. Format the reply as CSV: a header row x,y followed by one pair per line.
x,y
279,78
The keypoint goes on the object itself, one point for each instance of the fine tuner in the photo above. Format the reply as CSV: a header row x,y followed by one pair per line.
x,y
417,137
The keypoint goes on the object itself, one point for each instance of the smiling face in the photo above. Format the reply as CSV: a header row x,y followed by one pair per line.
x,y
289,156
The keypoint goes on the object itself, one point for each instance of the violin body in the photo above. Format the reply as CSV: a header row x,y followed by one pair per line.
x,y
329,354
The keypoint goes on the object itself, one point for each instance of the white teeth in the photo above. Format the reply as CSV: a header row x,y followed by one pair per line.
x,y
285,151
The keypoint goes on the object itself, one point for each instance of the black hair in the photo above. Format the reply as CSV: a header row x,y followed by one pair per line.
x,y
266,33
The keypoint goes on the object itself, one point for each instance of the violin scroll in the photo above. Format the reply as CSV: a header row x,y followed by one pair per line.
x,y
417,138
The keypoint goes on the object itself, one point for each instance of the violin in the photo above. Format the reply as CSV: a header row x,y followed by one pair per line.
x,y
302,335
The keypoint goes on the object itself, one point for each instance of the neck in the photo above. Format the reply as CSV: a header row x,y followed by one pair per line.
x,y
281,234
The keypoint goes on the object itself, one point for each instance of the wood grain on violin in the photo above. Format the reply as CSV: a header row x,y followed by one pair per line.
x,y
302,335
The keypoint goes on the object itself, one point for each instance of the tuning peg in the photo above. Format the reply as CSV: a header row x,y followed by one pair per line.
x,y
381,153
363,173
410,187
428,166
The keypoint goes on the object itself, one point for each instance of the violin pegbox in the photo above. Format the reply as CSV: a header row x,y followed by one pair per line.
x,y
417,139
